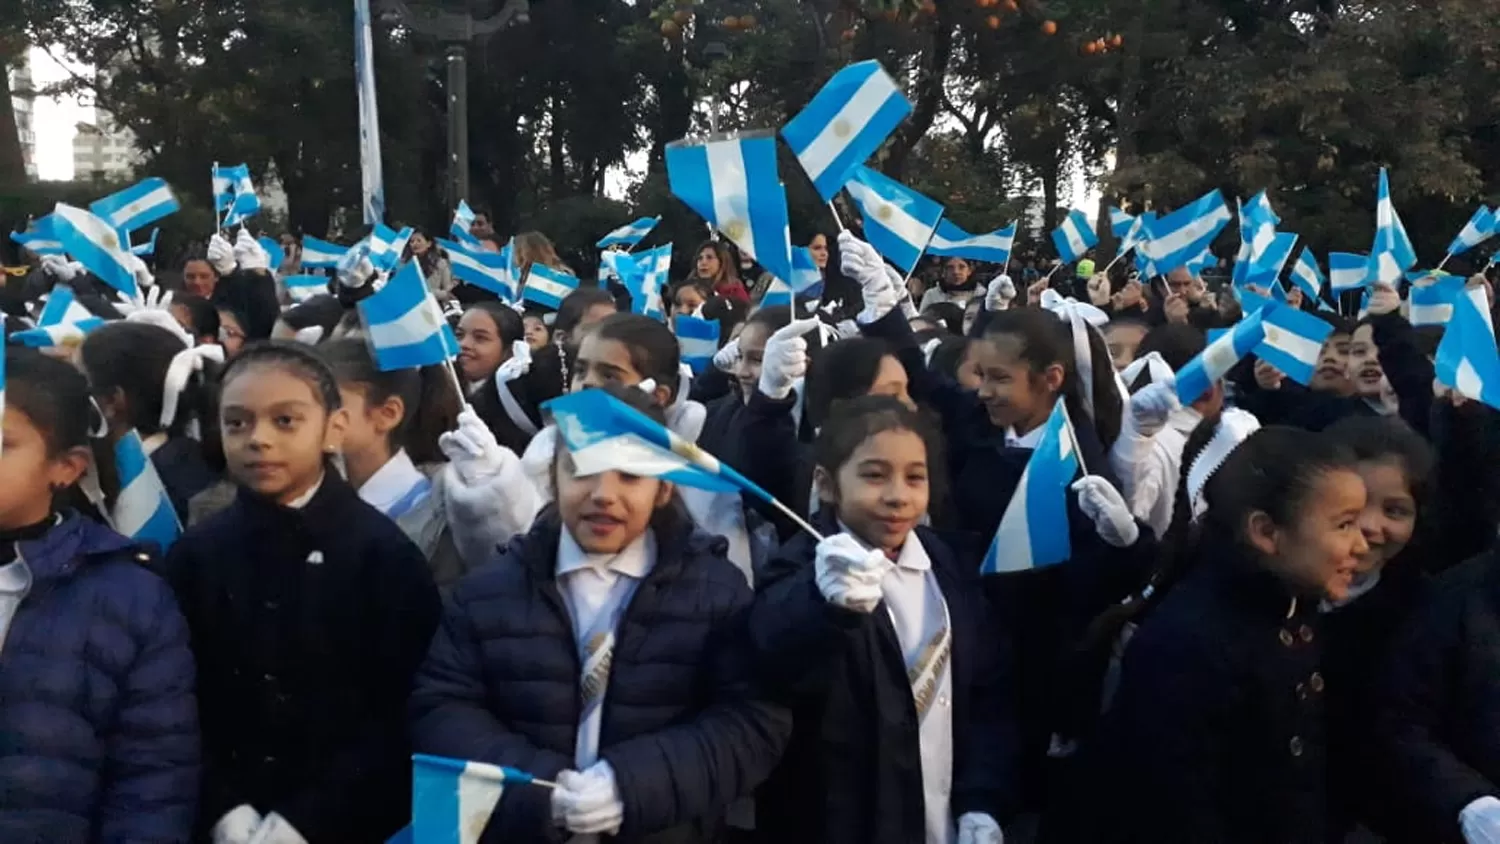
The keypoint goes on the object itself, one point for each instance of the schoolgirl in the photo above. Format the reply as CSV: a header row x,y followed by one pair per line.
x,y
581,309
509,381
309,612
614,592
878,638
98,724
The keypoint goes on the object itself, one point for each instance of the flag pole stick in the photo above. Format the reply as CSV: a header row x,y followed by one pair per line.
x,y
1443,262
1068,419
796,519
1115,260
926,243
833,209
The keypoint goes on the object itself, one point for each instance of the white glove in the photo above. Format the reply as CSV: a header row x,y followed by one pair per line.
x,y
862,263
220,255
595,805
1150,407
517,365
1103,504
472,449
849,575
565,795
277,830
1001,292
250,254
1480,821
61,269
727,359
237,826
979,828
153,307
785,358
143,277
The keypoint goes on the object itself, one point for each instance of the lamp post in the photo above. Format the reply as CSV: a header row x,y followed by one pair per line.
x,y
457,30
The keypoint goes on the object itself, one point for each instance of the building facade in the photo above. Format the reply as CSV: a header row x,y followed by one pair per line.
x,y
103,152
23,100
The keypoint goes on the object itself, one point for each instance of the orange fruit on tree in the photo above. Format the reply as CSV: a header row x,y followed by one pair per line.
x,y
730,23
1116,40
1090,48
1012,6
670,30
747,22
929,8
992,22
848,35
1049,27
682,16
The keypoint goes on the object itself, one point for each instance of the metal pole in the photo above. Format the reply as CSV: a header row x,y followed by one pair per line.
x,y
458,124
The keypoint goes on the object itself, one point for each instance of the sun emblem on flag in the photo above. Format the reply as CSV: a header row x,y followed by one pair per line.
x,y
688,451
884,212
1273,334
735,229
110,241
841,128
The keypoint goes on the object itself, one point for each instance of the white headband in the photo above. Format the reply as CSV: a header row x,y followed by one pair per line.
x,y
1154,363
179,371
1235,425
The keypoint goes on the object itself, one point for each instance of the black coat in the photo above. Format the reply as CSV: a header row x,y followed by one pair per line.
x,y
307,626
1216,732
853,771
1438,713
683,728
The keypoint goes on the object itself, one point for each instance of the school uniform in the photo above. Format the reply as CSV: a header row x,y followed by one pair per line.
x,y
408,497
671,705
98,724
1216,730
307,623
513,411
180,465
876,757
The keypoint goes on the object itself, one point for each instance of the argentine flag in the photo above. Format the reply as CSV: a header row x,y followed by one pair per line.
x,y
1034,530
950,241
1120,222
1347,271
848,120
1307,275
94,243
142,510
372,174
548,287
483,269
62,322
899,222
1138,233
320,254
387,246
41,239
1074,237
1431,299
629,234
136,206
452,799
1182,235
300,288
1199,375
404,324
230,182
733,185
1466,360
1480,228
1265,267
1258,222
698,339
806,282
1293,341
654,266
273,251
148,249
1392,255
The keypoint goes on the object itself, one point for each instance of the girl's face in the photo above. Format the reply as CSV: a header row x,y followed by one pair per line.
x,y
890,380
1319,553
1390,514
1124,341
370,425
276,432
537,335
1013,395
687,300
1332,373
419,244
956,272
818,246
971,313
199,278
481,349
752,355
603,362
1364,363
28,475
881,491
231,334
707,265
606,512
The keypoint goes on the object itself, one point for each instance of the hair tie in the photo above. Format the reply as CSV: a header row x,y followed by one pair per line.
x,y
98,424
1081,317
309,336
184,364
1235,425
1153,363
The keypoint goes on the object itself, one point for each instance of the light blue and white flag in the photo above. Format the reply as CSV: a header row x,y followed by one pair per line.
x,y
95,244
404,324
273,251
2,384
463,222
62,308
320,254
899,222
1183,234
1307,275
1431,299
1481,227
1258,222
548,287
147,249
388,246
1293,341
1074,237
41,239
698,339
481,268
1347,271
64,321
452,799
230,182
137,206
1265,267
629,234
246,205
950,241
778,293
300,288
1393,254
1466,360
143,510
1120,222
372,177
848,120
1199,375
654,268
1138,233
1034,530
733,184
1204,258
807,279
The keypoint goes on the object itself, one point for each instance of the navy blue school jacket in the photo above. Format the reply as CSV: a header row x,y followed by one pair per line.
x,y
853,771
307,626
183,471
684,727
98,725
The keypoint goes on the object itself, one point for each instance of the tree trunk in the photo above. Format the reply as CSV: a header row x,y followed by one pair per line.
x,y
928,100
1050,175
12,157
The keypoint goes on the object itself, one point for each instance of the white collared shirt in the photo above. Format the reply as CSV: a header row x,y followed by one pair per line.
x,y
302,500
1030,439
391,482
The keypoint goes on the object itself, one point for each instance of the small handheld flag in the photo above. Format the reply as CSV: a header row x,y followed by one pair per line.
x,y
646,279
1393,252
951,241
1307,275
1182,235
699,340
630,234
94,243
1431,299
300,288
1199,375
483,269
1034,530
1074,237
1347,271
548,287
1466,360
452,799
63,322
142,510
1293,341
733,184
1480,228
273,251
1120,222
848,120
899,222
320,254
404,325
136,206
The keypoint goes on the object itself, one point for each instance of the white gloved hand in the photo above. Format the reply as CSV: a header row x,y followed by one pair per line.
x,y
61,269
153,307
862,263
1000,293
237,826
849,575
143,277
1480,821
596,806
518,364
727,359
1103,504
1150,407
220,255
979,828
785,358
277,830
565,795
249,253
472,449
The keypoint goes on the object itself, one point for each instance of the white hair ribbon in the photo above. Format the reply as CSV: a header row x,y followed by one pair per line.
x,y
1235,425
1152,362
1080,316
179,371
309,336
929,347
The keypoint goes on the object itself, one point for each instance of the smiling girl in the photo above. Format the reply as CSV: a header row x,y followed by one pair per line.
x,y
508,380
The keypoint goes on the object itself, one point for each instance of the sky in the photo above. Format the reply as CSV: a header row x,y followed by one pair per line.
x,y
54,121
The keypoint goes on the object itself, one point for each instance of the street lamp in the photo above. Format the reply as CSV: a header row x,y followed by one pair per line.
x,y
456,30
